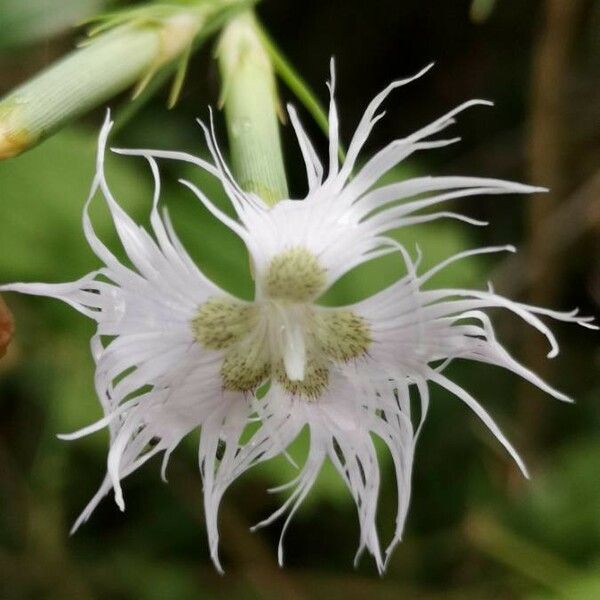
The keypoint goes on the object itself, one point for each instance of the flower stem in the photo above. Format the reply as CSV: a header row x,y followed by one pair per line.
x,y
249,96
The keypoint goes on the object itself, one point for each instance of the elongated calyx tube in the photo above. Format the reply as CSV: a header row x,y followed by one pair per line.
x,y
249,96
92,74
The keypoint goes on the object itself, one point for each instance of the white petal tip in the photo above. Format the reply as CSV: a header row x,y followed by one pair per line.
x,y
217,564
119,500
523,468
422,72
401,82
566,399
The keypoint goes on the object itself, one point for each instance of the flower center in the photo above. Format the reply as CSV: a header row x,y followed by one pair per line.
x,y
283,335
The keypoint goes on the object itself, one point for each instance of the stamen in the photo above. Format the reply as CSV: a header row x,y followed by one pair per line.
x,y
221,322
342,335
244,368
294,275
316,379
284,337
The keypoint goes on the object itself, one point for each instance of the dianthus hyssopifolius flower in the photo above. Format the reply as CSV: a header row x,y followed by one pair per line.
x,y
174,352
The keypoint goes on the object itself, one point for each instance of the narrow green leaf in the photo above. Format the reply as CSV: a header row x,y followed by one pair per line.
x,y
179,78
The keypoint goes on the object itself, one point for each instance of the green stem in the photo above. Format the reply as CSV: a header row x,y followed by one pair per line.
x,y
249,96
297,85
294,81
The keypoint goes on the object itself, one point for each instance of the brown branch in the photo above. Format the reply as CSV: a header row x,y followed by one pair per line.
x,y
568,222
547,143
548,138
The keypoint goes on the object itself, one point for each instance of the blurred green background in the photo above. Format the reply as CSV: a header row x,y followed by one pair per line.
x,y
476,530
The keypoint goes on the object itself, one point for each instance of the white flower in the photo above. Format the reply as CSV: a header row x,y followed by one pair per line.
x,y
174,352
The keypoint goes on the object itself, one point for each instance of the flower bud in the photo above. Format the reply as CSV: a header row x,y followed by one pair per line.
x,y
125,48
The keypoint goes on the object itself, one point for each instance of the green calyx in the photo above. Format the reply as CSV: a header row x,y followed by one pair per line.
x,y
124,48
249,97
177,23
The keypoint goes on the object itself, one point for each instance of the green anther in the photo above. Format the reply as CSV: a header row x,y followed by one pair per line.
x,y
221,322
244,369
316,378
294,275
226,324
342,335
